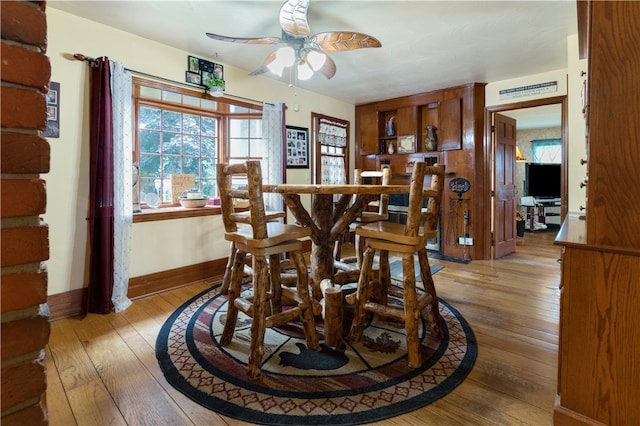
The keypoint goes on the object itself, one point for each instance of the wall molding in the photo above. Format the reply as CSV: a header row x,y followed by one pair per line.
x,y
71,303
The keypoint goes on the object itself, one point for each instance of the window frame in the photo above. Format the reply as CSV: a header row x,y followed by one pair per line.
x,y
223,112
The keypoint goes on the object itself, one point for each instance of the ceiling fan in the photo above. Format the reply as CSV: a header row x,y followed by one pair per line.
x,y
300,48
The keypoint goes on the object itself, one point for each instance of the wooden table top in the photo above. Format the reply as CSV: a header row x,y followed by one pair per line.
x,y
313,188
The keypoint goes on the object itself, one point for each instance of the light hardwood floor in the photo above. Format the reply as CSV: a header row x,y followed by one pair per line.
x,y
102,369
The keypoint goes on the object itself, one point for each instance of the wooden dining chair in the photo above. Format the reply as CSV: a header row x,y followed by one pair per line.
x,y
243,217
361,177
266,243
375,293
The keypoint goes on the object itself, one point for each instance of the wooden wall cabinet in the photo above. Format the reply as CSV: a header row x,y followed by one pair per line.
x,y
599,348
455,113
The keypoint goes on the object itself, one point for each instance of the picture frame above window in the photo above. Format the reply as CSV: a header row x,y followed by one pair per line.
x,y
297,147
200,71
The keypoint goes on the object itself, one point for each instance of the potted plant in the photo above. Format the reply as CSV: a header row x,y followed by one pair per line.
x,y
215,87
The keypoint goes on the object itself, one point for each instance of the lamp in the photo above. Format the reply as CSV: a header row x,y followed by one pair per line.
x,y
519,157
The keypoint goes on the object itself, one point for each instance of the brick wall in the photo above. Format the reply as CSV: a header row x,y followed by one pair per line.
x,y
24,237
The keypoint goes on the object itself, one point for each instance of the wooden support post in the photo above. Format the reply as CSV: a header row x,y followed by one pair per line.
x,y
333,313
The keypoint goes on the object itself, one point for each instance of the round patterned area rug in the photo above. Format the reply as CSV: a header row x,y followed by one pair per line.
x,y
352,384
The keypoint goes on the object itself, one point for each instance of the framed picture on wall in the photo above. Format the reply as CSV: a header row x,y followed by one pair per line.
x,y
297,147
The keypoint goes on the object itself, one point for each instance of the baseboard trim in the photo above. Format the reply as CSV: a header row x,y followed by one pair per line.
x,y
71,303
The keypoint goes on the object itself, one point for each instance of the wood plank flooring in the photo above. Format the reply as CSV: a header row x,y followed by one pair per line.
x,y
102,369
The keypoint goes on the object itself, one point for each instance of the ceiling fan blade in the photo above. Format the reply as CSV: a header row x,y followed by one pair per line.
x,y
256,40
293,18
264,68
328,67
340,41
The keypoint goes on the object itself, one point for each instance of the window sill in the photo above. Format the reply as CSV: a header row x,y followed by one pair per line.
x,y
177,212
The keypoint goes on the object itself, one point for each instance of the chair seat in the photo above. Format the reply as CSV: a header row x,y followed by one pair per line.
x,y
368,217
394,232
278,233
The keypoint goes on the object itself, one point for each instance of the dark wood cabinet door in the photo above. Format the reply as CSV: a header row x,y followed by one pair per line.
x,y
450,129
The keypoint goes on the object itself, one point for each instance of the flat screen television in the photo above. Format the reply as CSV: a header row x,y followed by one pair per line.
x,y
543,180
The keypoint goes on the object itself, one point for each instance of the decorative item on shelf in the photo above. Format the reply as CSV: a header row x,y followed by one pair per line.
x,y
519,157
431,140
215,87
193,199
409,167
406,144
390,148
382,149
390,126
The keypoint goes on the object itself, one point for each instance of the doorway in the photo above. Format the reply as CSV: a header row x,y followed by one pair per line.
x,y
506,220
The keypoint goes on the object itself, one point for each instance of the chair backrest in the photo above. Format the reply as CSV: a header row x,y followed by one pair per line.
x,y
251,192
416,214
384,177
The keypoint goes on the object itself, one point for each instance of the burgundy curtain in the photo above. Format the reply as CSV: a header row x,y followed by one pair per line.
x,y
101,191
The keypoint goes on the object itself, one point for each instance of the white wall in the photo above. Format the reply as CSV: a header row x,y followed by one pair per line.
x,y
183,241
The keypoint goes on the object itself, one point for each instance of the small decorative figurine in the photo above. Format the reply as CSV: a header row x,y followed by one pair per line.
x,y
391,149
431,140
390,126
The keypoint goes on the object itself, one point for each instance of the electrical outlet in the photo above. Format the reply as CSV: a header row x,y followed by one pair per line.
x,y
465,241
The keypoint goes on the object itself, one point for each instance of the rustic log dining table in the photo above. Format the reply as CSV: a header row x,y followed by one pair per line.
x,y
328,219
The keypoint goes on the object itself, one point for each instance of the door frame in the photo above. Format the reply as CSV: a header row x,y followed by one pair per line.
x,y
490,160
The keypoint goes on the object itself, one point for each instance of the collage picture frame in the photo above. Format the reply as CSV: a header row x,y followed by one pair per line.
x,y
200,71
297,147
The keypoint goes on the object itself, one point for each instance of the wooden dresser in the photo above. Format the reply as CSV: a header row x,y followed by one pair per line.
x,y
599,350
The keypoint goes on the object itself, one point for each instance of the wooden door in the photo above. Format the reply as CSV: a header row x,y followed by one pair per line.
x,y
504,226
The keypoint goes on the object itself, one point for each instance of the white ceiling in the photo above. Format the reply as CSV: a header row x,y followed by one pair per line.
x,y
426,45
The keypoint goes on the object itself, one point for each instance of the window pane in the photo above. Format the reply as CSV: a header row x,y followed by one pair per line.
x,y
190,100
171,121
209,188
150,165
239,148
209,126
171,143
208,146
171,164
190,145
256,147
238,128
255,128
191,124
149,118
208,167
190,166
149,141
171,97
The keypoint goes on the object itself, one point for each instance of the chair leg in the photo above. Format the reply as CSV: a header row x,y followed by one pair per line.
x,y
429,286
274,288
362,296
411,312
260,284
380,292
306,307
226,279
235,287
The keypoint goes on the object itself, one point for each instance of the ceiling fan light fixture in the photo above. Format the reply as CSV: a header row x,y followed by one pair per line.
x,y
285,57
316,59
304,71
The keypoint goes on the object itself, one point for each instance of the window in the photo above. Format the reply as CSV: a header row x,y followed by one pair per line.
x,y
546,151
330,136
181,131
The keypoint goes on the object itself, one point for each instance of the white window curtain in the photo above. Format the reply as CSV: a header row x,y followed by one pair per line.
x,y
272,165
123,186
